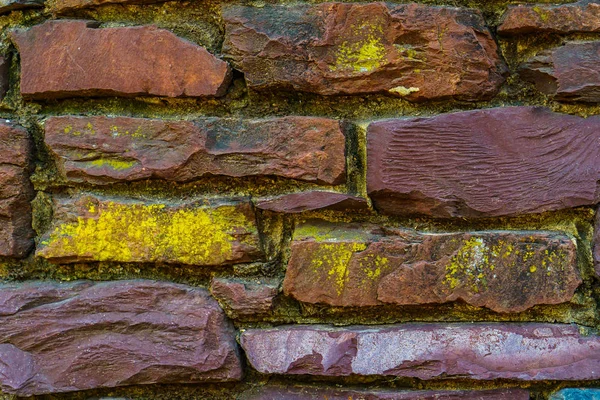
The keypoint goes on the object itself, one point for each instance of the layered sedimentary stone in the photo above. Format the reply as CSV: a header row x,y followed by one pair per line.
x,y
209,232
569,72
582,16
7,6
353,266
311,393
243,297
83,335
65,6
492,162
73,58
103,150
312,200
576,394
414,51
16,192
526,352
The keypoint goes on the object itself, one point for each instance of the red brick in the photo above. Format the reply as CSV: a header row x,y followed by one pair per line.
x,y
523,352
83,335
103,150
414,51
582,16
491,162
72,58
353,266
210,232
16,192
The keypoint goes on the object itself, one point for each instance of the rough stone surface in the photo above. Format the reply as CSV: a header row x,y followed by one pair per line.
x,y
209,232
583,16
307,393
66,6
244,298
414,51
7,6
576,394
312,200
491,162
103,150
525,352
596,244
351,266
76,336
569,72
72,58
16,192
4,70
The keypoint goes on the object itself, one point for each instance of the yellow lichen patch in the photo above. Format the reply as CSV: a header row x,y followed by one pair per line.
x,y
117,165
363,56
543,14
470,260
403,91
119,132
372,266
334,258
148,233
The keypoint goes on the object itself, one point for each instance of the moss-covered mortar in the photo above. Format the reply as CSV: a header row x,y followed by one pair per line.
x,y
200,22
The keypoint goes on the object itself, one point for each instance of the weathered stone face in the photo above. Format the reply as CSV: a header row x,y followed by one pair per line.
x,y
492,162
306,393
72,58
16,192
352,266
414,51
83,335
7,6
243,297
312,200
66,6
202,233
582,16
103,150
569,72
524,352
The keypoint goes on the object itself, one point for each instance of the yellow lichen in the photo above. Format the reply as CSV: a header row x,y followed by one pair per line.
x,y
141,232
334,259
363,56
543,14
403,90
117,165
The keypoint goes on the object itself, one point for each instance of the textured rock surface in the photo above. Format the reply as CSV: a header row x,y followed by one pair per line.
x,y
306,393
65,337
102,150
65,6
569,72
344,265
242,297
4,71
493,162
576,394
16,235
7,6
210,232
582,16
415,51
526,352
72,58
313,200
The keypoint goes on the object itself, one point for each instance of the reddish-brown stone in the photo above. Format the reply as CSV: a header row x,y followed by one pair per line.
x,y
83,335
103,150
414,51
16,192
312,200
243,297
311,393
582,16
72,58
66,6
7,6
569,72
350,266
525,352
208,232
492,162
596,244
